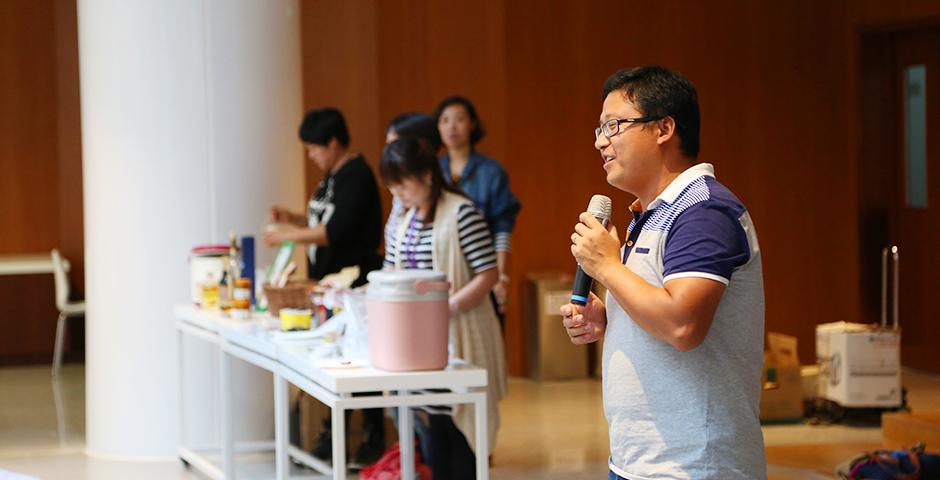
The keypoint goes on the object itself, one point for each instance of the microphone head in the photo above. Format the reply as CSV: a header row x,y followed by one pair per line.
x,y
600,208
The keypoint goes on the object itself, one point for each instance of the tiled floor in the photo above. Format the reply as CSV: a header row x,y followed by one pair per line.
x,y
553,430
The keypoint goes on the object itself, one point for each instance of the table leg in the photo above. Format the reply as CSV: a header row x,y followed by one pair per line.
x,y
406,440
226,419
339,442
182,393
281,427
482,434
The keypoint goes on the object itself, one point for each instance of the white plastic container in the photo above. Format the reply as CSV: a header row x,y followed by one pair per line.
x,y
408,320
206,265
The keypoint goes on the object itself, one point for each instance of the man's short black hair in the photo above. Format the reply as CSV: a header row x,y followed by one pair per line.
x,y
659,92
320,126
477,133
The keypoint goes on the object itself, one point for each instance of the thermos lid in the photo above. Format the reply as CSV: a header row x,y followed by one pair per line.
x,y
210,250
404,276
402,285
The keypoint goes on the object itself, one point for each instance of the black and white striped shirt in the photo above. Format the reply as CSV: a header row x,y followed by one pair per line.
x,y
415,245
415,248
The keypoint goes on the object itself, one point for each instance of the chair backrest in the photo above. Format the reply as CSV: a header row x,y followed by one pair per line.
x,y
61,279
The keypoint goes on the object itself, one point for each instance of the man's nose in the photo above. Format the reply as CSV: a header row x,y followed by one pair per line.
x,y
601,141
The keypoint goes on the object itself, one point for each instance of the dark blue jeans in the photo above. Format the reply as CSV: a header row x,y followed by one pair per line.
x,y
445,450
614,476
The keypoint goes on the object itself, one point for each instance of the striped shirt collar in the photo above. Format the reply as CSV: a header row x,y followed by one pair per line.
x,y
677,185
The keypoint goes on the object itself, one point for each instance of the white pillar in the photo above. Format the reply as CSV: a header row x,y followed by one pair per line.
x,y
189,118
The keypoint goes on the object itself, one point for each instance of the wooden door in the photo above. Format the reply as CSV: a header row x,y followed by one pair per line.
x,y
915,209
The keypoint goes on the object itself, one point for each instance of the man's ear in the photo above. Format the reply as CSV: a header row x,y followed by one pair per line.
x,y
667,129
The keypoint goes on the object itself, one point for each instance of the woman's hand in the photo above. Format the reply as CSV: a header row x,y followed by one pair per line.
x,y
277,237
474,292
282,215
501,292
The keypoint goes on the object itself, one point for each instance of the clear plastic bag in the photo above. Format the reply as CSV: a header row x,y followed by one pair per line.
x,y
355,341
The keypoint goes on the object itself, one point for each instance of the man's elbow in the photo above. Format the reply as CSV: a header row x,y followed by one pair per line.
x,y
687,337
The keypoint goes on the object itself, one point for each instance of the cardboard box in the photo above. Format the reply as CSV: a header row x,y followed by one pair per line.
x,y
550,353
782,392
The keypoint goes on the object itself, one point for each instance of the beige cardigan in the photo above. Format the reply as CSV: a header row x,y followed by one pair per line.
x,y
475,335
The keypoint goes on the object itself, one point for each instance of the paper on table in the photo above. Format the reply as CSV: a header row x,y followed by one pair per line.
x,y
340,362
343,278
280,335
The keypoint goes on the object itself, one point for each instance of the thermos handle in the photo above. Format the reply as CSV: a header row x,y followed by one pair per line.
x,y
424,286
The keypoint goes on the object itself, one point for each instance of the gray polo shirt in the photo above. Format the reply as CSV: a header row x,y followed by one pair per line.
x,y
694,414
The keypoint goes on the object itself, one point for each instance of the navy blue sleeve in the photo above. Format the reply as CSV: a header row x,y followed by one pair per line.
x,y
706,241
502,206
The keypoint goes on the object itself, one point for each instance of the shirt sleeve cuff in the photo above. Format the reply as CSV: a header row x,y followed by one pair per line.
x,y
503,241
710,276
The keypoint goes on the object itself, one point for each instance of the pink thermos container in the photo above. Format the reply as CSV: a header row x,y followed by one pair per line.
x,y
408,320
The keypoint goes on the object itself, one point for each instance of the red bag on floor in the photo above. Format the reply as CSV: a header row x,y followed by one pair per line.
x,y
389,467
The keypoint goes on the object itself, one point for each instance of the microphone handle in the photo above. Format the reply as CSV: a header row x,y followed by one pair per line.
x,y
582,282
581,288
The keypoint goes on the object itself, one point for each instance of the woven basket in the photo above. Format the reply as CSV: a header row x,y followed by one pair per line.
x,y
295,294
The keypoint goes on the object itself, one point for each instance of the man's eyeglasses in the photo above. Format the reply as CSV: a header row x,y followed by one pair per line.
x,y
611,127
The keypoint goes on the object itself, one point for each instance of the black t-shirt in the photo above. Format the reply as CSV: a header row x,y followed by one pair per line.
x,y
348,203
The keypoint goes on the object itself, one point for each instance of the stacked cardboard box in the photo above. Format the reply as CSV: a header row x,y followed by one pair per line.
x,y
782,392
550,353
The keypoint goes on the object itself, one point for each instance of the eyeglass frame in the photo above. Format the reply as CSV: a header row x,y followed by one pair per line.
x,y
598,130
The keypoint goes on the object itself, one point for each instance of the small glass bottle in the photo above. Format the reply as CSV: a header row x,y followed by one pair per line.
x,y
241,298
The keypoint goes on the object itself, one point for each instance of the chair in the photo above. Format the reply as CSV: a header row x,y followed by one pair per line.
x,y
66,308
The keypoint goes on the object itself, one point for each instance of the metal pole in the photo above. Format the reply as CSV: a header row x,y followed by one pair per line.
x,y
897,282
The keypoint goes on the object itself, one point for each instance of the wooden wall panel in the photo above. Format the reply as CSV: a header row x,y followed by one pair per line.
x,y
339,70
428,51
40,170
29,193
759,76
71,239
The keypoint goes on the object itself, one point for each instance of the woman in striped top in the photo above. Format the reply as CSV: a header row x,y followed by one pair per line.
x,y
443,231
413,124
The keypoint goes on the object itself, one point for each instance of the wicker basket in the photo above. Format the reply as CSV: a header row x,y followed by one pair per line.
x,y
295,294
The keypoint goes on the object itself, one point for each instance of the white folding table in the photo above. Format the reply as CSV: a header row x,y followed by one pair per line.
x,y
290,362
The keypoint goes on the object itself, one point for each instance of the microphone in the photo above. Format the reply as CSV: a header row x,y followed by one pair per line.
x,y
600,208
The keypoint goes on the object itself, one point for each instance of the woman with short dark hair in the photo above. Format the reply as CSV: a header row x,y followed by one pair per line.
x,y
481,177
342,226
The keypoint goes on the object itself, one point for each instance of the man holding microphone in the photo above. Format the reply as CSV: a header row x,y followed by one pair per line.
x,y
683,321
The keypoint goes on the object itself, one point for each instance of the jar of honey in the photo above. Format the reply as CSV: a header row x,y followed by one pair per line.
x,y
241,295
